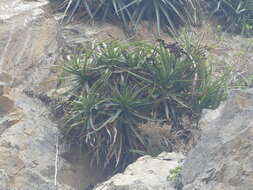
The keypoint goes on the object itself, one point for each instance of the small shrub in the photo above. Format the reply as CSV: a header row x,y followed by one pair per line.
x,y
118,86
236,16
174,174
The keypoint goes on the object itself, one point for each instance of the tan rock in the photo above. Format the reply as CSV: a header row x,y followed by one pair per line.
x,y
29,45
146,173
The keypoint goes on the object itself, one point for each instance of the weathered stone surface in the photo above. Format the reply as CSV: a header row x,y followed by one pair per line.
x,y
145,174
29,43
4,181
28,141
27,135
223,157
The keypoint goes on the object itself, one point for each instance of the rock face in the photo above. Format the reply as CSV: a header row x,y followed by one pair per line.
x,y
28,42
146,173
28,149
28,141
30,45
31,42
222,160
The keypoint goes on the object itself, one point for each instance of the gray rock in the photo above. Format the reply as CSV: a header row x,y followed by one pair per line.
x,y
28,137
147,173
4,181
28,146
223,157
29,44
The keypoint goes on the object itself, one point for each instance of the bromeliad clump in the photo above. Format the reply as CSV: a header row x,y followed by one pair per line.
x,y
165,13
118,87
235,16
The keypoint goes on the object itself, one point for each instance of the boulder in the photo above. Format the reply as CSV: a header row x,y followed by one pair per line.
x,y
222,159
147,173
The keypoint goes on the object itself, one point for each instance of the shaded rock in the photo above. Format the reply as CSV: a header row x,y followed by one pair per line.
x,y
223,157
1,89
6,102
78,172
146,173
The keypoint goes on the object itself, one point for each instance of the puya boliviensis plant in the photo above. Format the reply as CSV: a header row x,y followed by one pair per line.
x,y
236,16
165,13
118,86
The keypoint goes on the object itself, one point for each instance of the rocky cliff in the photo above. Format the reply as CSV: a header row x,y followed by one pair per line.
x,y
31,44
221,160
223,157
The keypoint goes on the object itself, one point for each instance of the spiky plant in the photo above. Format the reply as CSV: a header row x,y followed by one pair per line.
x,y
71,7
166,13
170,13
235,15
120,86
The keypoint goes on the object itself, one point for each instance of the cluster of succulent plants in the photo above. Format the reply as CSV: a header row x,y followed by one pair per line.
x,y
117,87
